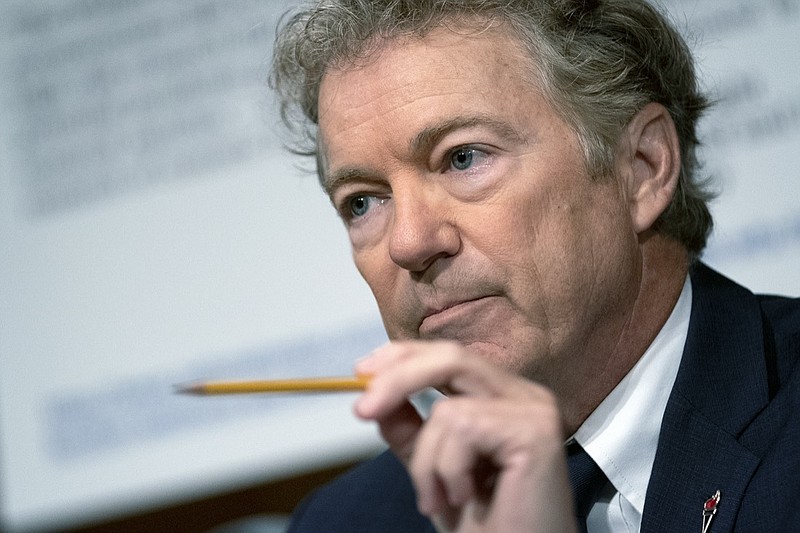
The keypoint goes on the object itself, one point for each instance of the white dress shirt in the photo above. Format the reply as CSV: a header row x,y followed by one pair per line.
x,y
621,435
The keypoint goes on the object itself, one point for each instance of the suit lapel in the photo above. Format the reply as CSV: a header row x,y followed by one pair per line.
x,y
720,388
694,460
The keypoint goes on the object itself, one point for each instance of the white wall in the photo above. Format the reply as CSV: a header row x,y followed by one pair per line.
x,y
154,231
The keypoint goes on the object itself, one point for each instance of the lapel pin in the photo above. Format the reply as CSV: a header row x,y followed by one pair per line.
x,y
709,510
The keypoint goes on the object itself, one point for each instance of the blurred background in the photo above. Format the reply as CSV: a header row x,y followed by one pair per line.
x,y
154,231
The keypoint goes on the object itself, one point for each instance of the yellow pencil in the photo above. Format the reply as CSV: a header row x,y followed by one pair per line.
x,y
323,384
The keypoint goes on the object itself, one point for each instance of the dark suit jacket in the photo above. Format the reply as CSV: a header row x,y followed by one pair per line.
x,y
732,424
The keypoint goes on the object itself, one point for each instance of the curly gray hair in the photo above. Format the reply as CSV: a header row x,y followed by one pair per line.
x,y
598,61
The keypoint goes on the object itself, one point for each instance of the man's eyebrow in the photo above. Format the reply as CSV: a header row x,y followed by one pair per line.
x,y
331,182
424,141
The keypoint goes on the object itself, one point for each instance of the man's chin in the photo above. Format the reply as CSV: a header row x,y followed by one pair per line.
x,y
494,351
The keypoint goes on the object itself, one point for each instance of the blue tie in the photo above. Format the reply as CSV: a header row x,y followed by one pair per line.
x,y
586,479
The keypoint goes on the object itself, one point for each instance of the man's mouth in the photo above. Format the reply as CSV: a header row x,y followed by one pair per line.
x,y
446,320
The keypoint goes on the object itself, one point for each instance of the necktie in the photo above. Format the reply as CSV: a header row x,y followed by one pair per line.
x,y
586,479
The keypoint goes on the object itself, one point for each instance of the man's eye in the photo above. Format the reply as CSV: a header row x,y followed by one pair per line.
x,y
461,159
359,205
466,158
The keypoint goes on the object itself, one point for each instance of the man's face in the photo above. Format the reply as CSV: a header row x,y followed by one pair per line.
x,y
468,205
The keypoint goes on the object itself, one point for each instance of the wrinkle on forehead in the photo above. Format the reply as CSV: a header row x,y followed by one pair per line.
x,y
451,33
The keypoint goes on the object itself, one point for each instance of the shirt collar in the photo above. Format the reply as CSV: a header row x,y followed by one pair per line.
x,y
621,435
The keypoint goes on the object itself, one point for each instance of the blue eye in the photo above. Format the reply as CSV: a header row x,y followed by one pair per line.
x,y
461,159
359,205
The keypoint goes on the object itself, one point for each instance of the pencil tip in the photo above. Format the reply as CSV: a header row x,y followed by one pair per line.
x,y
188,388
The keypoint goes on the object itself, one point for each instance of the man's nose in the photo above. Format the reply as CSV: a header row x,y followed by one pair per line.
x,y
423,230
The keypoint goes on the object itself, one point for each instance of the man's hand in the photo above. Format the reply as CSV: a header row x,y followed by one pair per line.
x,y
490,457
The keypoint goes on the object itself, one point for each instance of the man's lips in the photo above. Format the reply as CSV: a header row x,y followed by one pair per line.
x,y
438,320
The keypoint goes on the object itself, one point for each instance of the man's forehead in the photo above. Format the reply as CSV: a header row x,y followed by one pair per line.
x,y
449,60
447,36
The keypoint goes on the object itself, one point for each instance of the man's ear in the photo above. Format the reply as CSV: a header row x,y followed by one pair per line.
x,y
649,162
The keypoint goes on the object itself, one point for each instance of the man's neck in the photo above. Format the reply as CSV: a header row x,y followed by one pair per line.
x,y
664,266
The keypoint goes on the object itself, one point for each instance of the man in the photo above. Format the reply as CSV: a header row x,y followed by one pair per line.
x,y
519,185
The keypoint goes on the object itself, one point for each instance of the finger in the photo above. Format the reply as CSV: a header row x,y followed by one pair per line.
x,y
402,369
432,497
400,429
376,359
453,457
469,444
